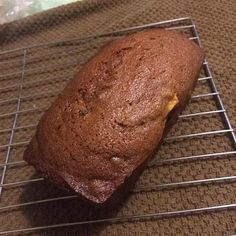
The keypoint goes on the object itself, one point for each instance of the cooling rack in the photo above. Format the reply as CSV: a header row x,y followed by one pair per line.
x,y
31,77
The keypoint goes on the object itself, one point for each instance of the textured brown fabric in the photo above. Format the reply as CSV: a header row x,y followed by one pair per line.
x,y
57,64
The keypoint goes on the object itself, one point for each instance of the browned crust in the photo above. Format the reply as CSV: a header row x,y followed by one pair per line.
x,y
97,136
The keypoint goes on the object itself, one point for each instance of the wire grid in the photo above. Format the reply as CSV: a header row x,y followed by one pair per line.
x,y
33,76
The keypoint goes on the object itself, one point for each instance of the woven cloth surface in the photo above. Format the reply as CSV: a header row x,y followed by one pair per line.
x,y
47,71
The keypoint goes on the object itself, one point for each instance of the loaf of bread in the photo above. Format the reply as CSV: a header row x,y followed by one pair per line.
x,y
98,135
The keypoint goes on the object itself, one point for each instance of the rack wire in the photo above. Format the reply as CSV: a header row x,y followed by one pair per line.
x,y
36,74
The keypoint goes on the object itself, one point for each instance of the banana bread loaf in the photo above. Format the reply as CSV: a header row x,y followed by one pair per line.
x,y
97,136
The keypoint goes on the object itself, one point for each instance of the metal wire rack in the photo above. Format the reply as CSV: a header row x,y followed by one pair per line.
x,y
30,79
